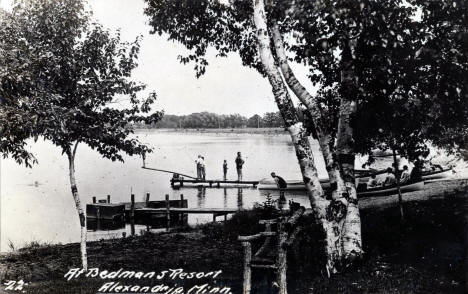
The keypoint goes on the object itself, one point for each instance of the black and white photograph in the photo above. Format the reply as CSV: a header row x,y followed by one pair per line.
x,y
233,146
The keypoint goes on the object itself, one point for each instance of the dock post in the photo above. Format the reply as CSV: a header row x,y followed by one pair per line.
x,y
98,218
247,269
94,199
214,217
147,205
132,214
108,198
147,199
181,205
168,213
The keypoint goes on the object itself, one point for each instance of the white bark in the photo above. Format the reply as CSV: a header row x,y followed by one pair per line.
x,y
286,107
343,191
327,212
323,137
79,207
352,238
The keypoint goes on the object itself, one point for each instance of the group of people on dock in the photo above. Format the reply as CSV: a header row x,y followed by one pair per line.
x,y
201,167
201,170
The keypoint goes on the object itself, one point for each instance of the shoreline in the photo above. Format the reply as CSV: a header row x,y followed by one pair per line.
x,y
247,131
434,230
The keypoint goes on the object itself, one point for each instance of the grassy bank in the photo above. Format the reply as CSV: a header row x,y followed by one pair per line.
x,y
423,254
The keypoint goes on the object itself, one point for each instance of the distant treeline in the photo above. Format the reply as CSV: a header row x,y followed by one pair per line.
x,y
210,120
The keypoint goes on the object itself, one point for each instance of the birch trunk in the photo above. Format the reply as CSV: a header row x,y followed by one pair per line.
x,y
352,239
79,207
323,137
344,202
328,213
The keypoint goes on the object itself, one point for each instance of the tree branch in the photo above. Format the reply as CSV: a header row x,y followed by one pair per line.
x,y
324,138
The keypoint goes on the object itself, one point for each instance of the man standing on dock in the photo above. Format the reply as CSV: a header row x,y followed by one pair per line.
x,y
202,168
239,163
198,162
225,168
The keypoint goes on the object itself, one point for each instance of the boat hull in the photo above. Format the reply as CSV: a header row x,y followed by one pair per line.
x,y
380,191
267,184
384,191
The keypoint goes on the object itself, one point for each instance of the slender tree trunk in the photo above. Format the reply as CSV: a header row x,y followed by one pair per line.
x,y
79,207
397,175
329,213
352,239
324,138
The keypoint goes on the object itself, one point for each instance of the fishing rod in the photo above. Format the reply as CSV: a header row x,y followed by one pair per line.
x,y
168,171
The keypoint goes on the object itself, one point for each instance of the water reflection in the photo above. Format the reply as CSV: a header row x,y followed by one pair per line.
x,y
201,197
281,200
240,198
104,225
225,198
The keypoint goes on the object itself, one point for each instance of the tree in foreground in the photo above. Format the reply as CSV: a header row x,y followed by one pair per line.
x,y
362,55
247,27
72,88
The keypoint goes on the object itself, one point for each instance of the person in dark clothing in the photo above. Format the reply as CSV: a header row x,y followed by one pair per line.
x,y
280,182
225,168
416,172
239,163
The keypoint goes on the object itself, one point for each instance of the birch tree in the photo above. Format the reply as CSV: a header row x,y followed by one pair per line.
x,y
246,28
74,87
350,48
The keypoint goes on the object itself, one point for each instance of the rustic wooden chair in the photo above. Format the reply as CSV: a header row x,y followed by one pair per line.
x,y
284,235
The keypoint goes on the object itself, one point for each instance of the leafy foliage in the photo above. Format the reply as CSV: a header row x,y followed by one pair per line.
x,y
410,59
213,120
65,77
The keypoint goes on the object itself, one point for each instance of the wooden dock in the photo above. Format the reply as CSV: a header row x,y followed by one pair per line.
x,y
179,183
165,213
215,212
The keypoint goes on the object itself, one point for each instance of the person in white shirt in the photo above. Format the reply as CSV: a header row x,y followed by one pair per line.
x,y
405,175
202,168
199,162
390,178
372,183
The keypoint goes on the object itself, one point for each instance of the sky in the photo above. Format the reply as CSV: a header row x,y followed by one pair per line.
x,y
227,86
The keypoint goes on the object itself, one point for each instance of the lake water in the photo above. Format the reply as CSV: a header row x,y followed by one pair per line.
x,y
36,203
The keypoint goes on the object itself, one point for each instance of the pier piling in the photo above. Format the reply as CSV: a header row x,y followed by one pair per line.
x,y
147,205
147,199
108,198
132,214
94,199
181,205
168,213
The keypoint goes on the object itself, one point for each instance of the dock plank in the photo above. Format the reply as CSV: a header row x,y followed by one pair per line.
x,y
179,183
199,210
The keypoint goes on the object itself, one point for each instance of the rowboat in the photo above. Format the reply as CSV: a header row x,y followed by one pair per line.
x,y
267,184
437,174
292,185
390,190
363,176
